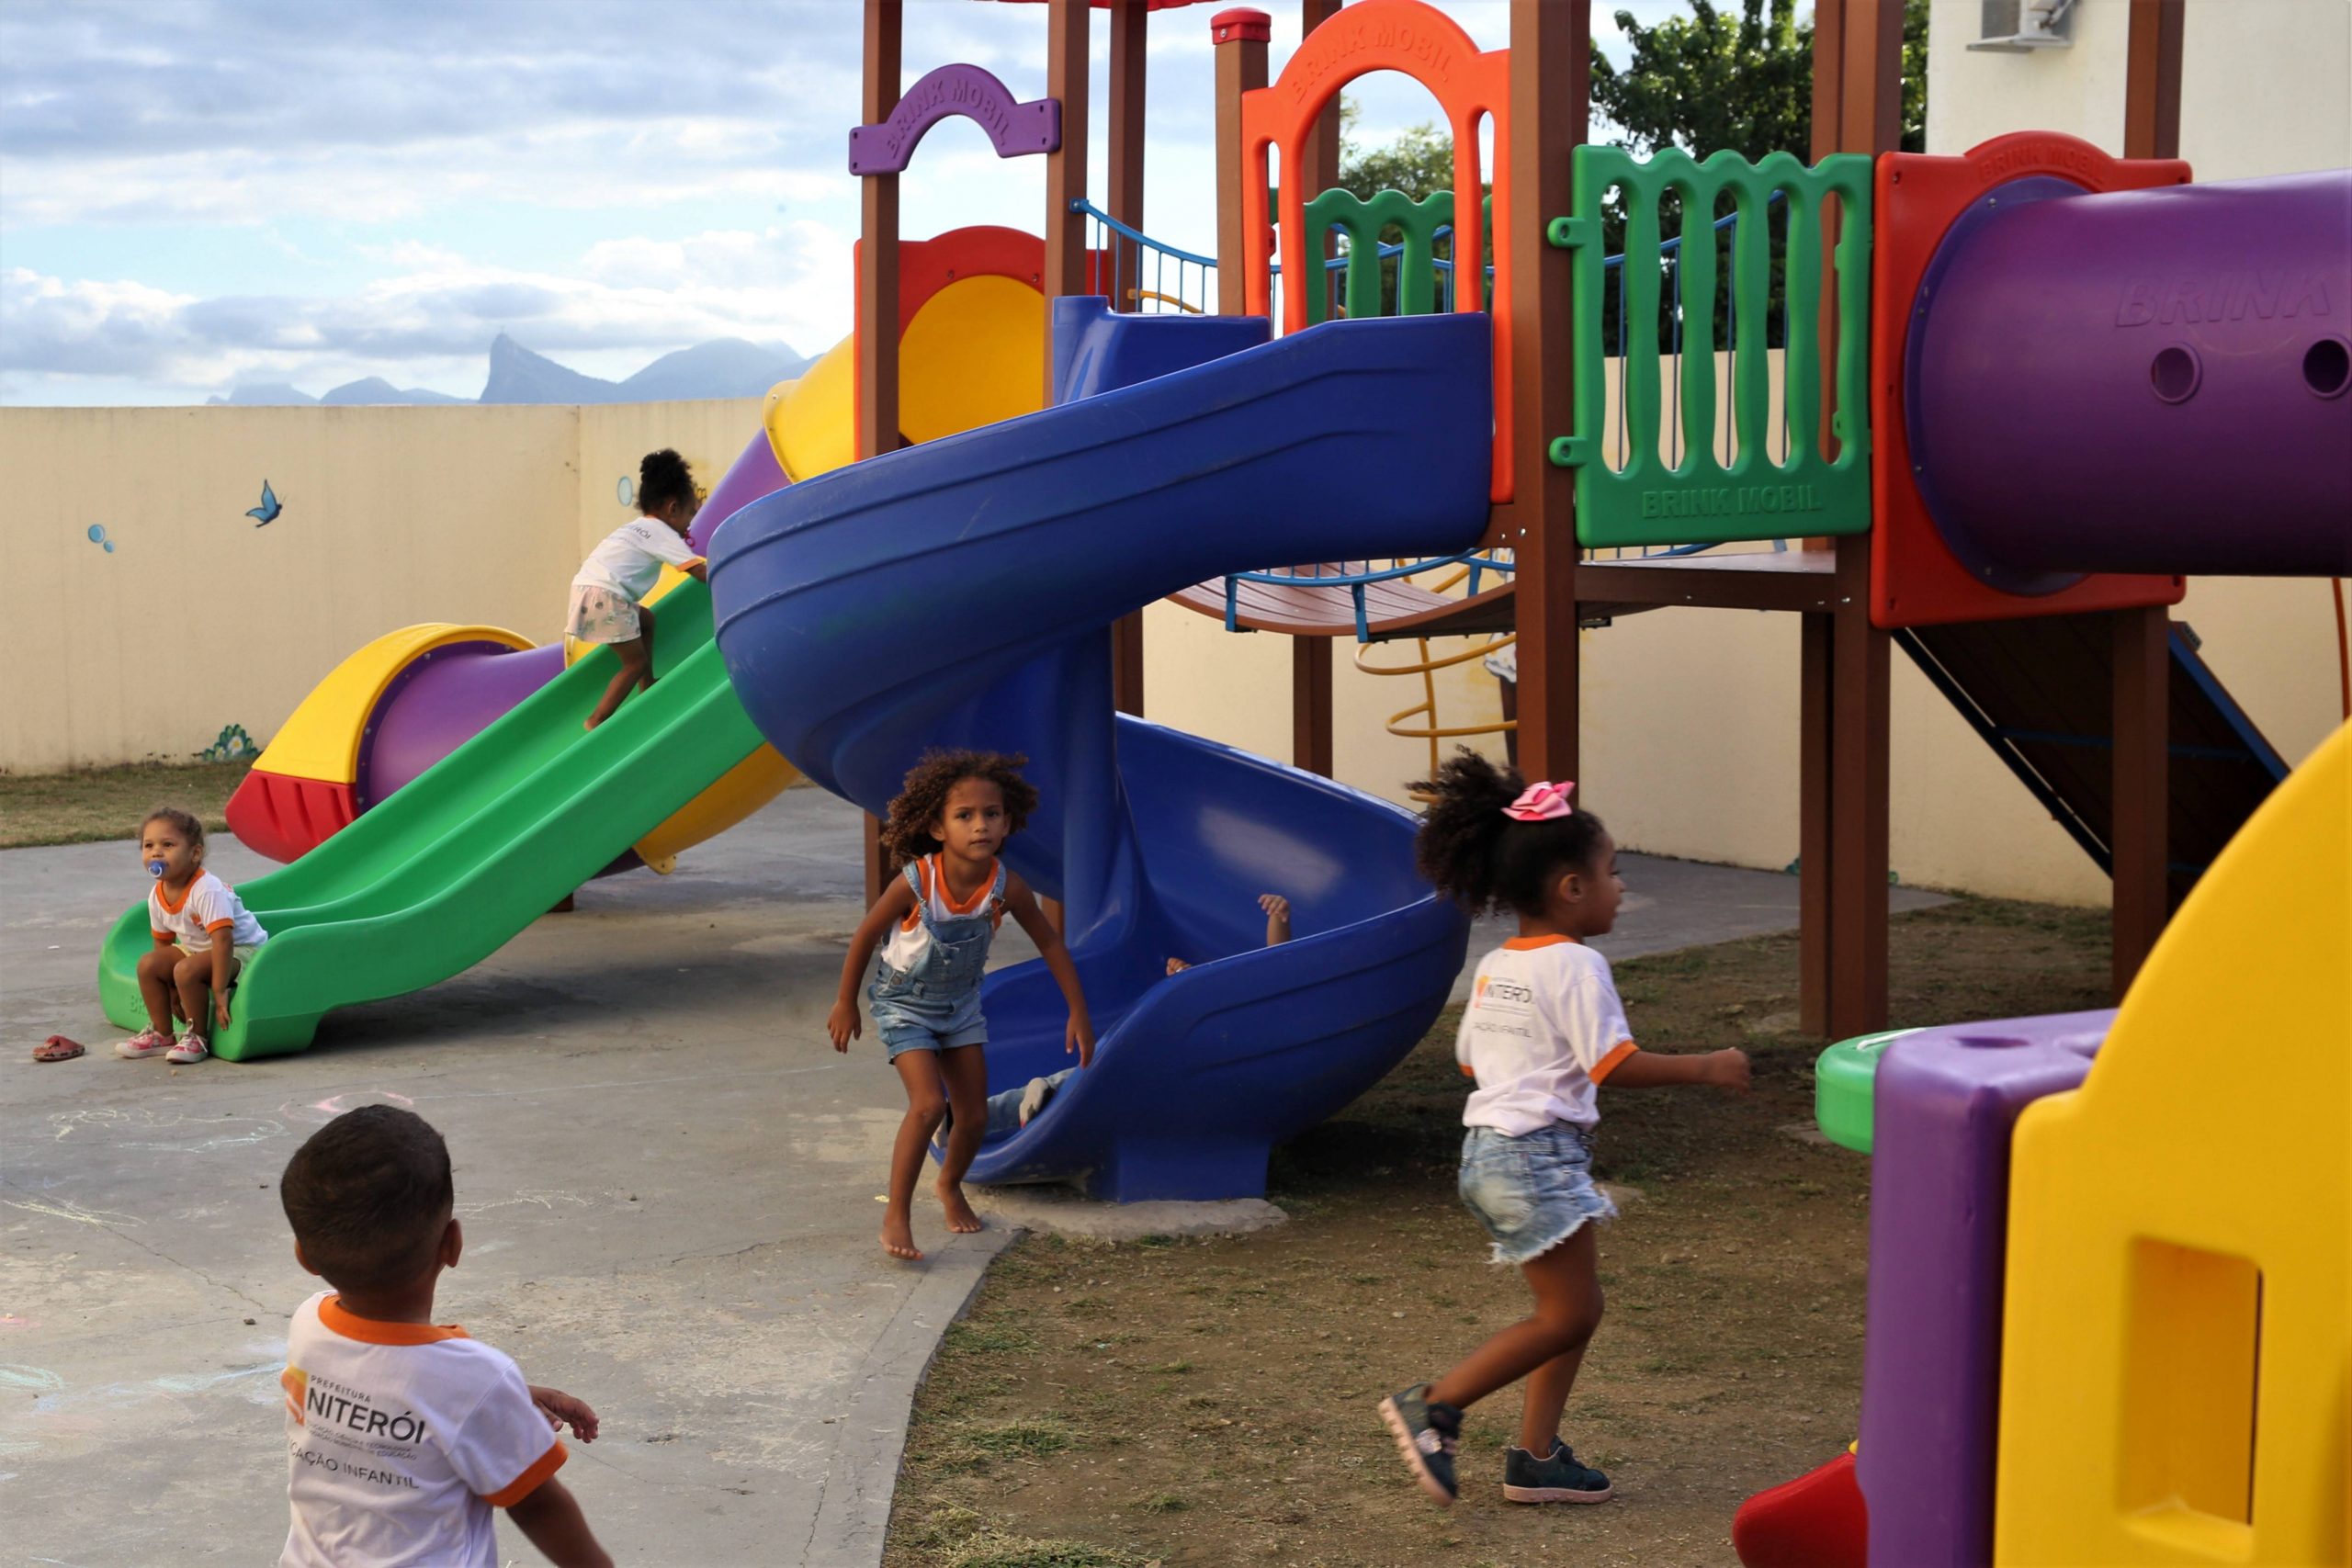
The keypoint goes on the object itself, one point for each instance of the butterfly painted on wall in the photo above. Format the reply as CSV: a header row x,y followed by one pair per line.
x,y
266,512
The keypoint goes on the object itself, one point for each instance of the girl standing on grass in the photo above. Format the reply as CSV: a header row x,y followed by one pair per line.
x,y
1543,1029
608,590
204,936
953,814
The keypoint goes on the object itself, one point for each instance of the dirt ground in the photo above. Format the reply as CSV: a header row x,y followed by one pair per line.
x,y
1210,1402
96,804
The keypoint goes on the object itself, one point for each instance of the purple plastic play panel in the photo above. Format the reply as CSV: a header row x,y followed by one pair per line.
x,y
754,474
1945,1103
441,702
2140,381
1013,127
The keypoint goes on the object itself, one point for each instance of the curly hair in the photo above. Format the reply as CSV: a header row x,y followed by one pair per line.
x,y
662,477
1483,860
906,829
189,826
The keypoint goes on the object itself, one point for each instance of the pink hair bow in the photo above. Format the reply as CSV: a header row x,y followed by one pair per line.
x,y
1542,803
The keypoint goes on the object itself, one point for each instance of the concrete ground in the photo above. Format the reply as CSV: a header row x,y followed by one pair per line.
x,y
670,1186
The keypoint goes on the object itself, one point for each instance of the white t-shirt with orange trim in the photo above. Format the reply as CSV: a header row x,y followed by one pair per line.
x,y
206,904
1543,1028
630,561
910,940
401,1438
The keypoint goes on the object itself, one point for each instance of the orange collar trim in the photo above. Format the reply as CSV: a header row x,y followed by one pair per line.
x,y
171,909
947,899
1530,943
372,1331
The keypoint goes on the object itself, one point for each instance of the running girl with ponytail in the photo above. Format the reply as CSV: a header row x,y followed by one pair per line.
x,y
1543,1031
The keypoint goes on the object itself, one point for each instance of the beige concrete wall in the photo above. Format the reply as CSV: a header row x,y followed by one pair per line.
x,y
198,619
708,434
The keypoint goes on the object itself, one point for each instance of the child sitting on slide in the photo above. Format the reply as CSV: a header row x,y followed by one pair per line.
x,y
1015,1107
204,936
608,590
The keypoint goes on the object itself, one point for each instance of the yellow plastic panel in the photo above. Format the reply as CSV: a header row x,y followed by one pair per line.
x,y
813,424
320,739
740,790
973,355
2193,1200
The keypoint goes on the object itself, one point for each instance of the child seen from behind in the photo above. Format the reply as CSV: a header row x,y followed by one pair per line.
x,y
1543,1031
608,590
940,913
204,938
402,1434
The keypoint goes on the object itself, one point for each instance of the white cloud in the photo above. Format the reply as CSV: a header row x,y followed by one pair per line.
x,y
625,301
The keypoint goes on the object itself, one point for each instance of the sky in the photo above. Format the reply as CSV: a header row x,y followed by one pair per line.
x,y
197,194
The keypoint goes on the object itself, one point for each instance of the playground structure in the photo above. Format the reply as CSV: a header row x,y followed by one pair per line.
x,y
2059,1367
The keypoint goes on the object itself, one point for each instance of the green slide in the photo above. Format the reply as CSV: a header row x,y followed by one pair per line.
x,y
440,875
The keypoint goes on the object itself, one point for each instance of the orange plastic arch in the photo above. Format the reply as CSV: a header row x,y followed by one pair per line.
x,y
1430,47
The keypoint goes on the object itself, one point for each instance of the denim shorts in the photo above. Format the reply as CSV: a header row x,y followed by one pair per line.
x,y
911,1017
1533,1191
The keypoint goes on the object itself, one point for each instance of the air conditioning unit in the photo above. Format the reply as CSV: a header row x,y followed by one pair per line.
x,y
2020,27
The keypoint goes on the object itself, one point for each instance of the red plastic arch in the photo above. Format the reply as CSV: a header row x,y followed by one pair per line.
x,y
1429,46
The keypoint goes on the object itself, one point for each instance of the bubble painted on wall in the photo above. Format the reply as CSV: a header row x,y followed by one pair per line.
x,y
626,491
98,537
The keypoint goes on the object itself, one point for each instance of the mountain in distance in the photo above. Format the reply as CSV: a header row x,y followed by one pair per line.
x,y
263,394
376,390
723,367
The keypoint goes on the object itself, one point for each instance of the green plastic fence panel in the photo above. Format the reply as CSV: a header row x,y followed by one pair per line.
x,y
1701,500
1362,222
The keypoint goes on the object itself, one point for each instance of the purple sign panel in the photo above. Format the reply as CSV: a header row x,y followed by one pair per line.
x,y
1014,128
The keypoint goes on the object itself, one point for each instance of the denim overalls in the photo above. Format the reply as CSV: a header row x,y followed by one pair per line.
x,y
937,1006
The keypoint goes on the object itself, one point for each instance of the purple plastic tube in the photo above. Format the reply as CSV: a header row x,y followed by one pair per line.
x,y
1944,1106
2140,381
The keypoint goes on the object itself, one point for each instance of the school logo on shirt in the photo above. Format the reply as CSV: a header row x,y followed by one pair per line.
x,y
1503,996
342,1410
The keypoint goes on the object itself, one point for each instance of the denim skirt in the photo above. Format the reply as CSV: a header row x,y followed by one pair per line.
x,y
1532,1192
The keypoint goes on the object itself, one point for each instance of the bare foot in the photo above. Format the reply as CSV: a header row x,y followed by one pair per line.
x,y
960,1218
588,723
899,1238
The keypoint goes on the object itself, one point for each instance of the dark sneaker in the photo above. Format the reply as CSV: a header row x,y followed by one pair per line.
x,y
1427,1434
1556,1479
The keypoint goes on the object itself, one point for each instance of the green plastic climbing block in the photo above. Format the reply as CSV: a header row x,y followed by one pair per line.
x,y
1700,499
1843,1081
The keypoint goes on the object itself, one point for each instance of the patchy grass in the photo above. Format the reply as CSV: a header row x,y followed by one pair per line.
x,y
1211,1402
97,804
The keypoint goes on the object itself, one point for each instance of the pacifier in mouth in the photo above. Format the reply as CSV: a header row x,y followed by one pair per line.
x,y
155,869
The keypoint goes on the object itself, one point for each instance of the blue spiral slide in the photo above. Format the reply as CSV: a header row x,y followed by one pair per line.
x,y
961,593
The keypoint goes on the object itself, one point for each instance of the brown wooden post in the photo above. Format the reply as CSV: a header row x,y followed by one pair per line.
x,y
1065,27
1311,657
2140,838
877,298
1240,39
2152,81
1843,727
1128,76
1551,85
